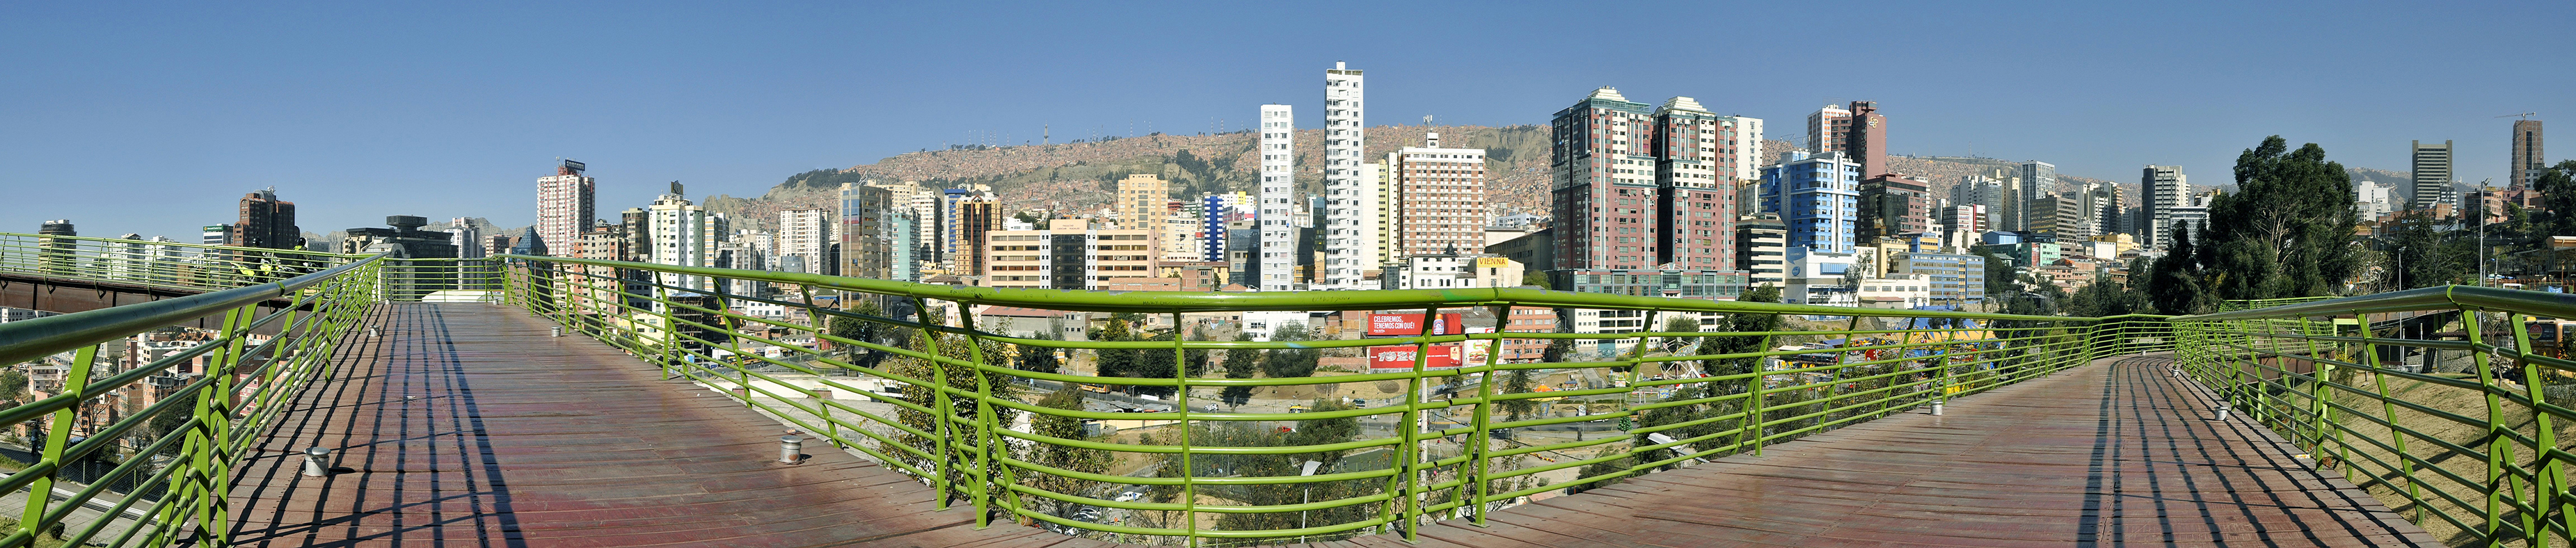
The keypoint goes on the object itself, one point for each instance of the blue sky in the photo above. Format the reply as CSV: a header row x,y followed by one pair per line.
x,y
155,118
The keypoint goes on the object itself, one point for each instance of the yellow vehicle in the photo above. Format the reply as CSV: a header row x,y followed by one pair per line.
x,y
1096,388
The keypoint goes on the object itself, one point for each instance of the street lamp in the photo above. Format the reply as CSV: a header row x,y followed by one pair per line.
x,y
1310,493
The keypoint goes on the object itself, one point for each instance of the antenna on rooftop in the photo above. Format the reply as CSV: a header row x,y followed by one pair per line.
x,y
2525,115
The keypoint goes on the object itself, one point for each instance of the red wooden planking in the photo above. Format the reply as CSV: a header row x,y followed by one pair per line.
x,y
513,438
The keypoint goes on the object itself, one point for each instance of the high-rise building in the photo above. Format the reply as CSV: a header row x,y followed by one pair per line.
x,y
467,239
638,229
1278,260
1746,152
2164,187
564,205
1605,197
2528,163
2037,178
1345,228
1762,244
1971,218
1377,202
1067,254
2059,214
1981,190
1868,141
680,238
1695,168
976,219
2191,211
1183,237
59,254
1439,203
1818,199
803,234
2105,210
1893,206
865,213
903,249
2432,173
1829,130
1215,211
925,208
266,222
1141,198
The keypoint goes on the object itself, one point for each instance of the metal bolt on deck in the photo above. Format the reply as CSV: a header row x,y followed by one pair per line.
x,y
316,461
791,449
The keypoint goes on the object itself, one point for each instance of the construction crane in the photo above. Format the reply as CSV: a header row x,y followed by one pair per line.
x,y
2525,116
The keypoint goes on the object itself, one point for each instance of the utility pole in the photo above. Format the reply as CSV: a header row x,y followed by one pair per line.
x,y
2482,231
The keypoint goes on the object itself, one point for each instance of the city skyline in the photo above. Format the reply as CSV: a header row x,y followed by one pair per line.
x,y
358,112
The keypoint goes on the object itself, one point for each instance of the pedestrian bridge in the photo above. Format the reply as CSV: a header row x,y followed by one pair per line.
x,y
535,401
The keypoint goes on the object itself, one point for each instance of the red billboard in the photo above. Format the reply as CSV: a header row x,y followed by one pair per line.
x,y
1401,357
1383,325
1447,356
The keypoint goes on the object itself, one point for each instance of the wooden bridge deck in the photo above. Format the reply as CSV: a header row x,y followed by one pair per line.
x,y
2116,453
464,424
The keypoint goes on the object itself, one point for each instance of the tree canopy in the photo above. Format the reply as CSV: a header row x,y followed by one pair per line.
x,y
2287,230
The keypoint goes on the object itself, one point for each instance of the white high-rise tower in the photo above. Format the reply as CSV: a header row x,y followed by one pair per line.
x,y
1345,230
1278,232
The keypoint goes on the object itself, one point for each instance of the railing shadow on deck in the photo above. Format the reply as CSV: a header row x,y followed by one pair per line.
x,y
1254,442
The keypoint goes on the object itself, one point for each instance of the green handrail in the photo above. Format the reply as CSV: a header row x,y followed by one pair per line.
x,y
186,499
2468,447
955,426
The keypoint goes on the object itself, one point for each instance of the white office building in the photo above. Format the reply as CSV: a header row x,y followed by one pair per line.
x,y
679,239
1278,232
1347,228
803,236
1748,152
2164,186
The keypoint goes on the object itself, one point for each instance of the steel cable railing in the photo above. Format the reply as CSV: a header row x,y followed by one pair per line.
x,y
942,383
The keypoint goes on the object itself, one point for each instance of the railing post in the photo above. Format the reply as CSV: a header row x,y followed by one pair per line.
x,y
986,423
943,414
2499,447
57,433
2320,392
1181,403
670,331
2388,410
1754,421
1406,481
2551,477
1479,441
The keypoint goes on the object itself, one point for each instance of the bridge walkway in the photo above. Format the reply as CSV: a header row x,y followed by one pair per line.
x,y
464,424
2117,453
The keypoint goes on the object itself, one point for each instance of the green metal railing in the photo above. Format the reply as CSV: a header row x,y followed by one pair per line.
x,y
170,463
164,265
2439,400
955,397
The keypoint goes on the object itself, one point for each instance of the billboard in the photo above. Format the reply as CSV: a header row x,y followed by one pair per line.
x,y
1386,325
1444,356
1401,357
